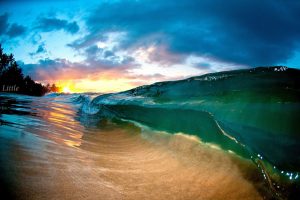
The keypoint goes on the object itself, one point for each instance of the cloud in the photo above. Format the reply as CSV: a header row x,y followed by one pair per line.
x,y
10,30
63,69
95,56
3,23
87,77
40,50
153,39
55,69
16,30
108,54
251,33
53,24
203,65
93,52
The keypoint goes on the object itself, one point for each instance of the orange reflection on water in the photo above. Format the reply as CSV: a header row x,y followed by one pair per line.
x,y
63,127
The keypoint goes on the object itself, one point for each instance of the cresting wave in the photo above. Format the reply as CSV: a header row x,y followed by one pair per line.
x,y
253,113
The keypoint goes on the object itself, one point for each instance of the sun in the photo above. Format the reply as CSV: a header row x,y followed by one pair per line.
x,y
66,90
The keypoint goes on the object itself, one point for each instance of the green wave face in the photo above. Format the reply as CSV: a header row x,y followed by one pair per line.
x,y
254,113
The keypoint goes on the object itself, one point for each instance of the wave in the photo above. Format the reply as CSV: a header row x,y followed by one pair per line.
x,y
252,112
83,99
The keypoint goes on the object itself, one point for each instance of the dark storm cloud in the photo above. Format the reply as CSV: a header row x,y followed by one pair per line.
x,y
259,32
52,24
10,30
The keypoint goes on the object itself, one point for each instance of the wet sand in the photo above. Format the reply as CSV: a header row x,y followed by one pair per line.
x,y
121,161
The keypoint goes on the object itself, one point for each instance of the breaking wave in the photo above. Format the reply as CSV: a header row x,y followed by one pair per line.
x,y
253,113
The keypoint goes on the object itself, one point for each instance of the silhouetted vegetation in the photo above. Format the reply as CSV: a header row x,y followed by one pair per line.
x,y
12,79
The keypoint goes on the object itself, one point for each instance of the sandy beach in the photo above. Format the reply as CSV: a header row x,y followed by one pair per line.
x,y
121,161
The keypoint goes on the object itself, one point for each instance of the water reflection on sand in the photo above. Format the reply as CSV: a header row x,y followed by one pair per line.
x,y
53,155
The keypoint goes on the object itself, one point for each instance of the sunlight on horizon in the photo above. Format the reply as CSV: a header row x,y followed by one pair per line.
x,y
98,86
66,90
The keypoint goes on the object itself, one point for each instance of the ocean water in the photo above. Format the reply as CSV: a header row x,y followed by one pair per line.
x,y
230,135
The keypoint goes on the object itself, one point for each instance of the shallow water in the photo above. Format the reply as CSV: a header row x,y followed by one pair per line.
x,y
50,149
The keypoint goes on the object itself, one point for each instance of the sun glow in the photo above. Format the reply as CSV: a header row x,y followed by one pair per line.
x,y
104,85
66,89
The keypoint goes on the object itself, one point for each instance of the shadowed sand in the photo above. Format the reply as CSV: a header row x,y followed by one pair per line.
x,y
120,161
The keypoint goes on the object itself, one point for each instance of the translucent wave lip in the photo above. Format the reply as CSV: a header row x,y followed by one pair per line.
x,y
252,108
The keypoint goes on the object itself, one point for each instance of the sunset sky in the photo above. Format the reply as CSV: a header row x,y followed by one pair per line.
x,y
105,46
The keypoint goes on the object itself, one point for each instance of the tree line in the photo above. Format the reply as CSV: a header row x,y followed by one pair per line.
x,y
13,80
